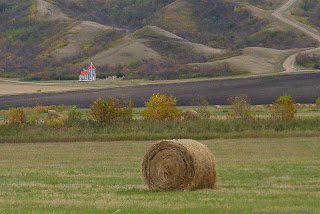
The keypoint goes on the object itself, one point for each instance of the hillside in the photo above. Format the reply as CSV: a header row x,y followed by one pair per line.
x,y
256,60
308,12
52,39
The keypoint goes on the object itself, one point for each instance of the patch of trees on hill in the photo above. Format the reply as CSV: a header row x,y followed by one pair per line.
x,y
146,69
128,14
21,37
223,24
280,40
309,9
308,60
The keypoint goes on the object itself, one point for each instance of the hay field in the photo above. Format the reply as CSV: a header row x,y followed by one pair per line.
x,y
10,88
254,175
15,87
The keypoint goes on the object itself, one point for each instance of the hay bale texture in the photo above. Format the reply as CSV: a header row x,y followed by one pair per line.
x,y
191,115
179,165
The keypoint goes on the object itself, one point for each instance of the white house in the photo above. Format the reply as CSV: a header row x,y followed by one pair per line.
x,y
88,75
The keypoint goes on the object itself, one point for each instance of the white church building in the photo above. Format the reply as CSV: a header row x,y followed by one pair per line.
x,y
88,75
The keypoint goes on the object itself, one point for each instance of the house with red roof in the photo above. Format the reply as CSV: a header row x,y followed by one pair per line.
x,y
88,75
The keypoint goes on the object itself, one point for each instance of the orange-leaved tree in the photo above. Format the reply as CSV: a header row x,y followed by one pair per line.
x,y
17,116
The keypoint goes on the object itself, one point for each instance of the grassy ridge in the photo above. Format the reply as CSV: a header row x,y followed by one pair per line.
x,y
254,176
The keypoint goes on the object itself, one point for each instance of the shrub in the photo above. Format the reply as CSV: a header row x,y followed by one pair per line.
x,y
40,109
161,107
55,122
52,107
318,102
17,116
201,106
61,108
74,115
240,108
106,110
284,108
33,119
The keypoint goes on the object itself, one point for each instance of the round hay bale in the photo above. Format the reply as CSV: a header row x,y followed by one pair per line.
x,y
258,107
190,115
217,107
298,105
179,165
53,113
312,105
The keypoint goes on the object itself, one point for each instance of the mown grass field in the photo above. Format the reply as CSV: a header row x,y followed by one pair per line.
x,y
255,175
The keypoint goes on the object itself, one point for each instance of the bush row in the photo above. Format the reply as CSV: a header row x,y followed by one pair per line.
x,y
159,107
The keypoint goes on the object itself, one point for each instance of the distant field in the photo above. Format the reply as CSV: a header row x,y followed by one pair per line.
x,y
7,88
14,87
260,90
254,176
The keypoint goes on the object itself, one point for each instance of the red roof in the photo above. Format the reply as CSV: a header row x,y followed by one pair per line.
x,y
84,73
92,67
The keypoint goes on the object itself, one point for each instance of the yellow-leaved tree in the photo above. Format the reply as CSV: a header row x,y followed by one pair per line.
x,y
161,107
284,108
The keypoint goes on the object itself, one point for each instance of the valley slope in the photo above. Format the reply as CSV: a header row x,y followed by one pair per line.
x,y
59,38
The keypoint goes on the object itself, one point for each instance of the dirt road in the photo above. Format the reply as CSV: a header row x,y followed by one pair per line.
x,y
289,62
304,88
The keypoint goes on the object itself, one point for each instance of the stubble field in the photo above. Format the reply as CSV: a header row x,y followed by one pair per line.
x,y
255,175
304,88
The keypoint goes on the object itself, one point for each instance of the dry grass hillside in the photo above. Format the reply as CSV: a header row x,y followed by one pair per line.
x,y
155,33
50,12
256,60
77,36
176,17
137,47
128,50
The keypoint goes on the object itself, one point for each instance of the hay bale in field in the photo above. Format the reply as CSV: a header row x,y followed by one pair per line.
x,y
190,115
217,107
298,105
270,105
312,106
258,107
179,165
52,113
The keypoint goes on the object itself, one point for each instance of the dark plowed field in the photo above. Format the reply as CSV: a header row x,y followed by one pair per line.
x,y
304,88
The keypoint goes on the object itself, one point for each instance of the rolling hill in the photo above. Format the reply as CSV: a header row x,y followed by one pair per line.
x,y
52,39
